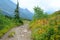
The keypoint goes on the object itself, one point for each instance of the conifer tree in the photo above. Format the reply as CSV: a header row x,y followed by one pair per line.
x,y
17,17
17,11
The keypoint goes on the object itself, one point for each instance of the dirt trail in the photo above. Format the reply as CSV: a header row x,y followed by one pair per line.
x,y
21,33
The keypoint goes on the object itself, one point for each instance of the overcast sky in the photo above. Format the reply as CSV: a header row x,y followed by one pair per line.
x,y
44,4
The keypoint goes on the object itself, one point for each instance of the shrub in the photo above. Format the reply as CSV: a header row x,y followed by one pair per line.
x,y
11,34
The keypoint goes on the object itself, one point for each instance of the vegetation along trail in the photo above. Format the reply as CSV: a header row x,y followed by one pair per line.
x,y
20,33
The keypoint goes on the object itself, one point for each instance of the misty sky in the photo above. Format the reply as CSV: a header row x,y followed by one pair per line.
x,y
44,4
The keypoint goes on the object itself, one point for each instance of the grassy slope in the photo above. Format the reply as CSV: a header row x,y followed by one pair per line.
x,y
46,29
6,24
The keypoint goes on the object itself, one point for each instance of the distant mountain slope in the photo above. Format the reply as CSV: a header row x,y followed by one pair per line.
x,y
8,8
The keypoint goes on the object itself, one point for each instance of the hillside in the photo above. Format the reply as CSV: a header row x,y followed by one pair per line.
x,y
46,28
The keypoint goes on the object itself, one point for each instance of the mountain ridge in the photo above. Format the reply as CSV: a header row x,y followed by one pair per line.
x,y
8,8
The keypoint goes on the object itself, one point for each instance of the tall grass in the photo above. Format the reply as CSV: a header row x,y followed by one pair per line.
x,y
6,23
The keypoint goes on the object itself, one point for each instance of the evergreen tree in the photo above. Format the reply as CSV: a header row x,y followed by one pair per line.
x,y
17,11
17,18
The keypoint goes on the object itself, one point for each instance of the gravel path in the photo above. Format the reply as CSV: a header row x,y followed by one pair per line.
x,y
21,33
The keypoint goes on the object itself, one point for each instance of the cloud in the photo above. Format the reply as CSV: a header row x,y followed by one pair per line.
x,y
44,4
50,4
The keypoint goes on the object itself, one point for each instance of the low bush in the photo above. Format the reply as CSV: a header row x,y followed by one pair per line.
x,y
11,34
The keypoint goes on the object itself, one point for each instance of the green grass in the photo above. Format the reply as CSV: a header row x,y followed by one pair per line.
x,y
11,34
6,23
